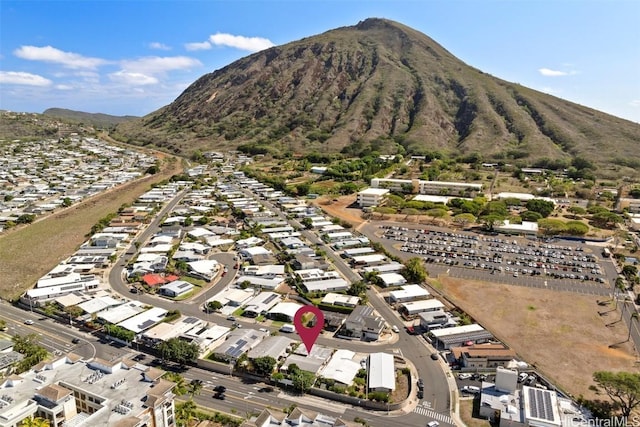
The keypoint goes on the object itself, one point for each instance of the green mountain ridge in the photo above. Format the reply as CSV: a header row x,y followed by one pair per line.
x,y
382,86
98,120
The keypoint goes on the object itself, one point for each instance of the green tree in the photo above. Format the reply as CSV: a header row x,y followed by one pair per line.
x,y
25,219
302,380
214,305
264,365
630,272
464,218
623,388
551,227
357,288
530,216
66,202
491,220
606,219
576,228
414,270
577,210
635,193
303,188
179,351
543,207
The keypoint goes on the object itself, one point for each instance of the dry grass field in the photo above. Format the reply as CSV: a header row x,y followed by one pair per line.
x,y
561,333
27,253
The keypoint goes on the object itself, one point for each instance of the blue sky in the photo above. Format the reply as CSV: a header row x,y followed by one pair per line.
x,y
132,57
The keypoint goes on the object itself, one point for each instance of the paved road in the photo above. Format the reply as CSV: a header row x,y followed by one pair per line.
x,y
55,336
247,396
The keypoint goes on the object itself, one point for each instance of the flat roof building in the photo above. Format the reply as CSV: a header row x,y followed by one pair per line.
x,y
382,373
71,392
458,335
409,293
371,197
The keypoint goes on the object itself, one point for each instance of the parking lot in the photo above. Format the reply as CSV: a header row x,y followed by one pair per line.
x,y
558,265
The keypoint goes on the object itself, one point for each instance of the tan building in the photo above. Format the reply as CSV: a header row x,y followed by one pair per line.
x,y
483,356
71,392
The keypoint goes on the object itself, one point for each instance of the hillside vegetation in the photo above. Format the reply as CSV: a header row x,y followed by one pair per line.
x,y
381,86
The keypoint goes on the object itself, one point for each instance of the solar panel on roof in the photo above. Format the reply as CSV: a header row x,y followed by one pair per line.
x,y
271,298
146,324
540,404
190,320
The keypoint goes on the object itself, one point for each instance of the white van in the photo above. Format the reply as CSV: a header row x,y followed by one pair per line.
x,y
287,327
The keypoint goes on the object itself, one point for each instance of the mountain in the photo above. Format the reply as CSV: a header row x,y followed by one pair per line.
x,y
380,85
97,120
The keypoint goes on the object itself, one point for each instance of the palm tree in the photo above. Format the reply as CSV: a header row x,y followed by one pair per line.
x,y
35,422
181,387
185,412
195,387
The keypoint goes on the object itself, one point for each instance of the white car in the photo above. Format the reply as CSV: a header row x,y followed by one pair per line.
x,y
433,424
395,329
464,376
28,322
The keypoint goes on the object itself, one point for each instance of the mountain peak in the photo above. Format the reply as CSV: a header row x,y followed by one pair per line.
x,y
383,86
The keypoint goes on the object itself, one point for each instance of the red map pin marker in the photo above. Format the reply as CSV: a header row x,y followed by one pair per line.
x,y
308,335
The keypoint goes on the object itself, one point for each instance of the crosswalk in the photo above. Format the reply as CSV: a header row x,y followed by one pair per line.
x,y
433,414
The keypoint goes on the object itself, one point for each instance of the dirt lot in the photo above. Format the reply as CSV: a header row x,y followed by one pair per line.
x,y
560,332
31,251
338,208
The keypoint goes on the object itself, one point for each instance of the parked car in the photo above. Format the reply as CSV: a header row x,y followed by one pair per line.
x,y
433,424
470,389
522,376
231,318
464,376
395,329
434,356
420,384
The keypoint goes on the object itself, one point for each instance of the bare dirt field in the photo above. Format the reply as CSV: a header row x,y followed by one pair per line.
x,y
561,333
29,252
339,208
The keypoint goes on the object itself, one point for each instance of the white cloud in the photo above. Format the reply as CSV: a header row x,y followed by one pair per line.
x,y
197,46
635,103
159,46
21,78
57,56
552,73
63,87
547,72
132,78
156,64
252,44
